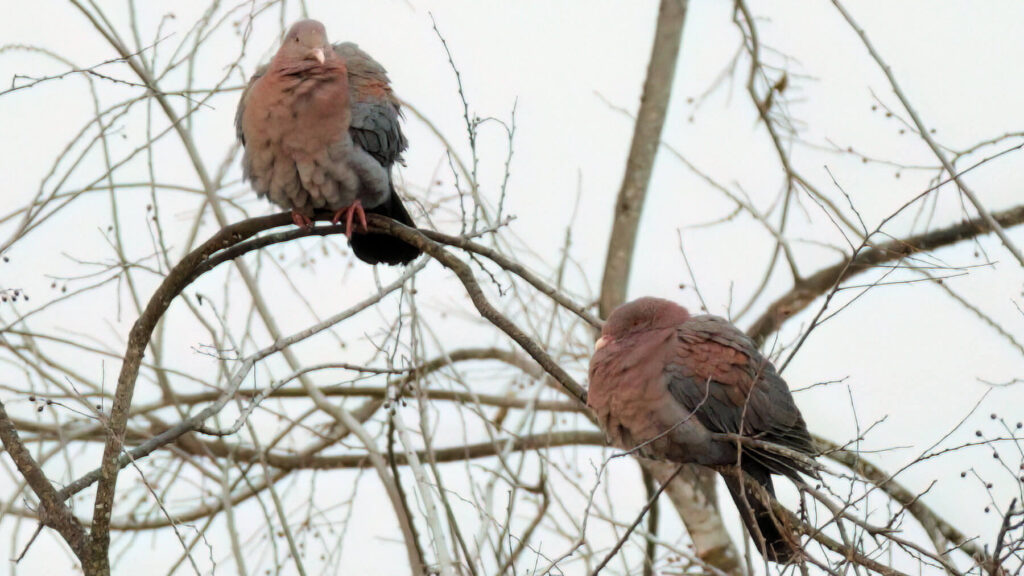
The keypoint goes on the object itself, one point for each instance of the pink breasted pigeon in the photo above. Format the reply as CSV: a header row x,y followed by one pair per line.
x,y
320,127
674,386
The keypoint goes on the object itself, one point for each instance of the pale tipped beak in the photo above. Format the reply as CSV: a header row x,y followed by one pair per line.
x,y
601,343
318,54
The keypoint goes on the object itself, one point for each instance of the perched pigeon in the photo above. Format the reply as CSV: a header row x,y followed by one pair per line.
x,y
671,384
320,129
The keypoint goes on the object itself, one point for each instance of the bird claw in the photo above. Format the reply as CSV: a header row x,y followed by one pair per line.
x,y
355,210
301,220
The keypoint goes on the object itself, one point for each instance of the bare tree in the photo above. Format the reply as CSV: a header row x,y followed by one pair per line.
x,y
275,400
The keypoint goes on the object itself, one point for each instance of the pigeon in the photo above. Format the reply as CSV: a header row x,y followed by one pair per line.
x,y
683,388
320,129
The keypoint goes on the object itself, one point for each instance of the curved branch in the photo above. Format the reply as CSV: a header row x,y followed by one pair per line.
x,y
229,243
179,277
476,294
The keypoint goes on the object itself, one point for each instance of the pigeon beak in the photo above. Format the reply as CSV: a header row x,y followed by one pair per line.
x,y
317,54
601,343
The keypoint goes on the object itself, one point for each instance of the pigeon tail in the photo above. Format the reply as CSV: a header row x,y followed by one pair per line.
x,y
377,248
765,529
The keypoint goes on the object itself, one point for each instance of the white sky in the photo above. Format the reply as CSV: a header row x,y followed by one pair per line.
x,y
909,353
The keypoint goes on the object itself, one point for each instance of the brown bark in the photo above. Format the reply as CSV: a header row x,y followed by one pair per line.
x,y
650,120
52,512
801,295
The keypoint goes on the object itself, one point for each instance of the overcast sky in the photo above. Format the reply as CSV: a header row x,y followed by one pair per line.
x,y
907,353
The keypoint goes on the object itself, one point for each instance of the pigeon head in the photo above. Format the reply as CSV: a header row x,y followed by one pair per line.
x,y
306,41
641,315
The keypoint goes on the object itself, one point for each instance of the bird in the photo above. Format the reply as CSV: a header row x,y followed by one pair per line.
x,y
683,388
320,130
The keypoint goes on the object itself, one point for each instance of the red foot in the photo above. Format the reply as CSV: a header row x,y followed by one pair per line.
x,y
301,220
355,210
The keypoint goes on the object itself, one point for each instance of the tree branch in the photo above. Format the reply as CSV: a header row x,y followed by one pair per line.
x,y
138,339
933,524
441,455
646,136
52,512
991,222
476,294
801,296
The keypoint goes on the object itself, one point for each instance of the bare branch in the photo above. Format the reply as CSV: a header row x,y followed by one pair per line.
x,y
52,511
801,296
646,136
992,223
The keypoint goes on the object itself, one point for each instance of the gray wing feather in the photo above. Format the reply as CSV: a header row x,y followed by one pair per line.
x,y
375,123
376,129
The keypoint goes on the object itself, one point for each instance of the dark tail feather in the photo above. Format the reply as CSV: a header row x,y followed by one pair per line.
x,y
382,248
757,515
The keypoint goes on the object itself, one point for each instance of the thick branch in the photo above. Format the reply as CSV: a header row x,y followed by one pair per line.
x,y
695,498
52,510
800,296
646,136
138,339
